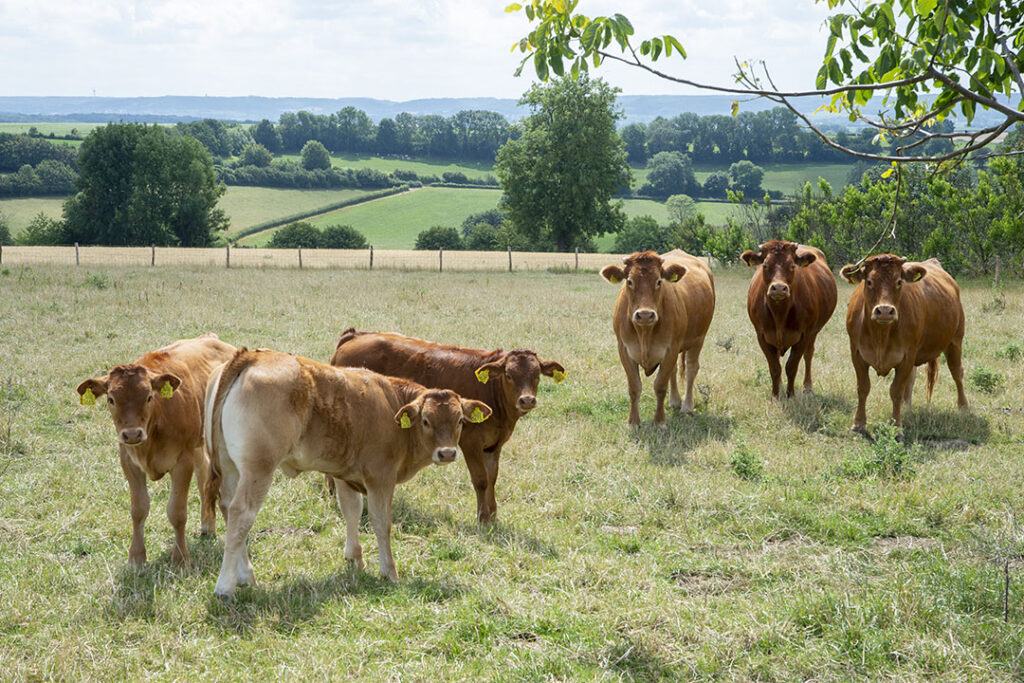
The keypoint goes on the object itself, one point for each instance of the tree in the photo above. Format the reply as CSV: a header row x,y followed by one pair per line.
x,y
635,137
716,184
640,234
264,133
256,155
296,235
315,155
746,177
5,229
964,52
342,237
439,237
669,173
681,208
140,185
560,176
43,231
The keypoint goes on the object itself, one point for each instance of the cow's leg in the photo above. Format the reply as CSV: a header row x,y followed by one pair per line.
x,y
692,366
908,390
860,420
897,391
177,507
140,507
351,503
771,354
955,362
228,485
473,452
808,356
796,353
236,569
378,502
491,467
207,509
633,381
675,402
661,381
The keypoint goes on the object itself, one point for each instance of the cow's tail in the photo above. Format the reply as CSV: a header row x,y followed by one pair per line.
x,y
216,390
933,376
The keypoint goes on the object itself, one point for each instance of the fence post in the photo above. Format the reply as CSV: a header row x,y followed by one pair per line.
x,y
152,257
371,257
440,260
577,259
77,262
510,259
227,255
1,253
300,258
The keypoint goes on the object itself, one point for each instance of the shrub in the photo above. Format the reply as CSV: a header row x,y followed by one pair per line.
x,y
716,184
43,231
315,156
639,234
887,457
1012,351
256,155
439,237
483,237
746,464
456,177
296,235
985,380
5,230
342,237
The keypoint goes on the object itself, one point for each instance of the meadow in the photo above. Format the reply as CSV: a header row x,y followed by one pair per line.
x,y
752,540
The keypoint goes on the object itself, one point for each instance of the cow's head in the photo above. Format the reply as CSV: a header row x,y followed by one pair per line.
x,y
130,391
883,277
517,374
644,273
778,261
436,417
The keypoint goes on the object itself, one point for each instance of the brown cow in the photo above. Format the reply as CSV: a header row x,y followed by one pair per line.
x,y
662,313
157,406
791,297
270,410
902,315
504,380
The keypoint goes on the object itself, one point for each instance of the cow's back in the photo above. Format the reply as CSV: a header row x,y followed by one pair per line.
x,y
690,302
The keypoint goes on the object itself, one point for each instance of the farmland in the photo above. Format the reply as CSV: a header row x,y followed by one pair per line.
x,y
753,540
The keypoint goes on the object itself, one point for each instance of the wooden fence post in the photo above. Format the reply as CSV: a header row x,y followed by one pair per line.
x,y
300,258
371,257
510,259
577,259
1,253
440,260
227,256
77,262
152,256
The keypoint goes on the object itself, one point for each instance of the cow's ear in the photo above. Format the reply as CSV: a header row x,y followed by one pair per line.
x,y
752,258
484,372
165,384
407,414
674,272
613,274
90,389
553,370
475,411
852,273
912,272
805,258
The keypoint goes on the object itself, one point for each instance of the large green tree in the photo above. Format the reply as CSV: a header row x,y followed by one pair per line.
x,y
140,185
560,176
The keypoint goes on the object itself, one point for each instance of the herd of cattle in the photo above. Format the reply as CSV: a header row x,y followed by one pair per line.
x,y
388,405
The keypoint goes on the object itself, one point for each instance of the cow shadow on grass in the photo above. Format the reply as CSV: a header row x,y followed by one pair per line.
x,y
945,429
818,412
681,434
423,523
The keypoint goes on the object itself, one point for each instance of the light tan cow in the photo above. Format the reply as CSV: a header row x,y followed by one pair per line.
x,y
271,410
157,406
662,313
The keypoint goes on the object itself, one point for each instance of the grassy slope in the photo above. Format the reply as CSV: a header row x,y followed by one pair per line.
x,y
619,554
251,205
20,211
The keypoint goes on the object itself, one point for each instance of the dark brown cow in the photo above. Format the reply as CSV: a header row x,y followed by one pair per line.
x,y
662,313
504,380
157,406
902,315
791,297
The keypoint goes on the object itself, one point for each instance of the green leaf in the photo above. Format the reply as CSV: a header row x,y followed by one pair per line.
x,y
540,64
822,80
925,7
627,27
655,49
670,41
514,7
735,107
555,60
834,72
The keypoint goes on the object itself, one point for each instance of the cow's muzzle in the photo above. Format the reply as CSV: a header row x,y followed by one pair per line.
x,y
526,403
778,291
884,314
133,436
645,317
444,455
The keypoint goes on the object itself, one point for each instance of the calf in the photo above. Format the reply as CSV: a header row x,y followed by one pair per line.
x,y
157,407
270,410
504,380
662,313
791,297
902,315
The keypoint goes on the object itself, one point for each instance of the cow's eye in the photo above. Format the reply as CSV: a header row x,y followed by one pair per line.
x,y
657,284
899,283
870,283
149,398
629,282
425,422
110,400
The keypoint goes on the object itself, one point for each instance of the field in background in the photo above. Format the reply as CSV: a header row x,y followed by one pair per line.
x,y
472,169
20,211
753,540
248,206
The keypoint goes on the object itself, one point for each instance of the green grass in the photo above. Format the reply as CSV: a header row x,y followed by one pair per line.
x,y
57,128
248,206
21,210
786,178
420,166
619,554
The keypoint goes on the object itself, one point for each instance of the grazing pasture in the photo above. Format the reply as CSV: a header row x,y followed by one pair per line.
x,y
21,210
753,540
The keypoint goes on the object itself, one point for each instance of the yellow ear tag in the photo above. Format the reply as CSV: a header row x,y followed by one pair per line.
x,y
483,375
477,416
88,398
558,376
674,277
167,390
614,280
405,422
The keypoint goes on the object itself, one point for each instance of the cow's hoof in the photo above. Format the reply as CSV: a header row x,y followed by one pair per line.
x,y
207,532
224,598
356,562
862,430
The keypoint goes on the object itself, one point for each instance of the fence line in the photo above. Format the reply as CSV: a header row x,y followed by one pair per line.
x,y
365,259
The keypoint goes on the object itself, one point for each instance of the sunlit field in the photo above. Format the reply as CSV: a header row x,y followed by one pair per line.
x,y
752,540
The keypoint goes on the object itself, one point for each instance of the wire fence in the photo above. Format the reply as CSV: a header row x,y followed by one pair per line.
x,y
366,259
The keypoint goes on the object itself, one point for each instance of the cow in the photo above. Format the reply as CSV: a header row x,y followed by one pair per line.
x,y
901,315
791,297
270,410
662,313
504,380
157,406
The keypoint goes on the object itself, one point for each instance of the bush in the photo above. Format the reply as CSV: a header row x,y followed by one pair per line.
x,y
493,217
342,237
640,234
985,380
1012,351
439,237
456,177
256,155
716,184
886,457
296,235
315,156
746,464
43,231
483,237
5,230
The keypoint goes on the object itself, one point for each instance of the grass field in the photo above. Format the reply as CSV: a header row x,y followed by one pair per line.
x,y
248,206
754,540
21,210
419,166
786,178
57,128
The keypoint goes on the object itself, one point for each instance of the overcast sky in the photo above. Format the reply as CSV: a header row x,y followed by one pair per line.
x,y
386,49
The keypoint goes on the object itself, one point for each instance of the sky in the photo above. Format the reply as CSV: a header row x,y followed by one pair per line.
x,y
386,49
